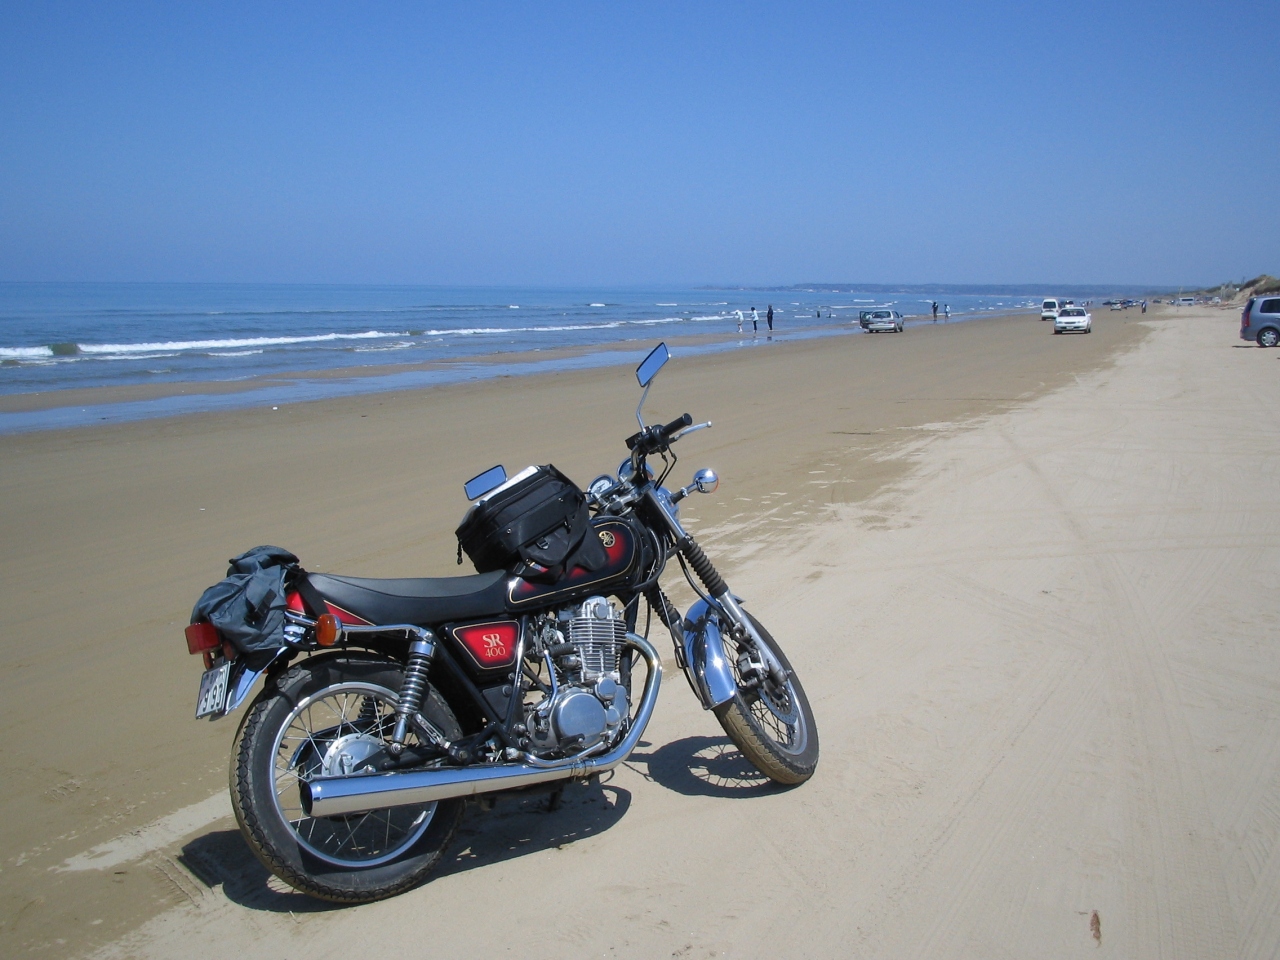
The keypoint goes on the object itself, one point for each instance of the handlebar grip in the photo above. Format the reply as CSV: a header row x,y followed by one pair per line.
x,y
653,439
679,423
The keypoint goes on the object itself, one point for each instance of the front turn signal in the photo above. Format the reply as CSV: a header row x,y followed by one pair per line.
x,y
328,630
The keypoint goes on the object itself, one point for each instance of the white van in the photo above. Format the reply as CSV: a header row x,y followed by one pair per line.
x,y
1050,309
1186,301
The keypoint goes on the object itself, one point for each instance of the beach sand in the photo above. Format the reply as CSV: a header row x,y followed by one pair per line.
x,y
1021,576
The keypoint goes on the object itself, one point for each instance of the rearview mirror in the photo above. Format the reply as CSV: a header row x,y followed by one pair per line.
x,y
651,364
481,484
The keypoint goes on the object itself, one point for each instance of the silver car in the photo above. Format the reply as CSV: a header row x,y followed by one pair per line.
x,y
881,321
1260,321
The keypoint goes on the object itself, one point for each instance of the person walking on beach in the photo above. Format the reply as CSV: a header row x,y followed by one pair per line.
x,y
1144,306
739,313
935,311
769,318
946,307
755,320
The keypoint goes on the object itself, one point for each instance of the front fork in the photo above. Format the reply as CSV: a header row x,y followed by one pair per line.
x,y
699,642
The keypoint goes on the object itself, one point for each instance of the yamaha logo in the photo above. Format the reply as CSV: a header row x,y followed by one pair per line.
x,y
607,538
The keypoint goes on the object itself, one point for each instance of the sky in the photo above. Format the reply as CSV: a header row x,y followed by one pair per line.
x,y
566,144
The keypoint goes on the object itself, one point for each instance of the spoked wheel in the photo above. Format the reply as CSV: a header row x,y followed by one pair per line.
x,y
327,717
772,724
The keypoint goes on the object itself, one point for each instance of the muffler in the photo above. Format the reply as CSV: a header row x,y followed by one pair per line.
x,y
341,796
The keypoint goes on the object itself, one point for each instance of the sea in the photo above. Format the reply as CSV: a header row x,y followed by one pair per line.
x,y
60,336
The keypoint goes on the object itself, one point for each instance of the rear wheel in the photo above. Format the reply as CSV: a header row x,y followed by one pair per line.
x,y
1268,337
771,724
325,717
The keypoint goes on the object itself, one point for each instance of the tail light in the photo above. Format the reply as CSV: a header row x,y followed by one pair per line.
x,y
1244,317
202,637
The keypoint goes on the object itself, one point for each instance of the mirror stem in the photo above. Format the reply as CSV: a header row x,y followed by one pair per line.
x,y
639,406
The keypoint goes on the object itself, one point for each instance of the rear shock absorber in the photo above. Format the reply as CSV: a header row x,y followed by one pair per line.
x,y
412,691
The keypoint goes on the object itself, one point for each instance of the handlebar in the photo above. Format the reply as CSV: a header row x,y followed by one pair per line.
x,y
681,421
652,439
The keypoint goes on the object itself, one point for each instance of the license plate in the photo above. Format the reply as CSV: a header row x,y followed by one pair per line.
x,y
213,690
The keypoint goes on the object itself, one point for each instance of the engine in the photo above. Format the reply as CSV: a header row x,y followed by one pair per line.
x,y
579,699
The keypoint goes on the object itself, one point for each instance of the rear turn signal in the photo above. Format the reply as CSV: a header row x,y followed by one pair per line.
x,y
328,630
202,637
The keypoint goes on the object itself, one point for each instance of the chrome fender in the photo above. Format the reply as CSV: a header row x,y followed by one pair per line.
x,y
709,673
241,682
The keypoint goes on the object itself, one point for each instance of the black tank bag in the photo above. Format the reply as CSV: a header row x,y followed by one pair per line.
x,y
536,528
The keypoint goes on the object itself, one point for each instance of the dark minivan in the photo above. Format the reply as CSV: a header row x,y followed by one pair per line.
x,y
1260,321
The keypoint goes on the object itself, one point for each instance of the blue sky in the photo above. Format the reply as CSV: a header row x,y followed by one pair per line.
x,y
638,144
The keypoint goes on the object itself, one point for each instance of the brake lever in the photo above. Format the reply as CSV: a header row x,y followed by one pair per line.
x,y
688,430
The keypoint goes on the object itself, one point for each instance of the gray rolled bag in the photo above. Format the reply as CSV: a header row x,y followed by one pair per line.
x,y
247,608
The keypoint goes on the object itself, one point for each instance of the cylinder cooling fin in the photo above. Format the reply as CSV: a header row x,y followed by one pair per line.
x,y
598,630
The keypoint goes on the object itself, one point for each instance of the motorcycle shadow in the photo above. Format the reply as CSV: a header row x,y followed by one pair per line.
x,y
519,824
222,858
529,822
702,767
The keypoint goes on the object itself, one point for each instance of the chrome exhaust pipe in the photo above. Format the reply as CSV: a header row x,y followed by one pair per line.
x,y
341,796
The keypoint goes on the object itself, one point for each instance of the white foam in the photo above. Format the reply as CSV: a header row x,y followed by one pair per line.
x,y
98,349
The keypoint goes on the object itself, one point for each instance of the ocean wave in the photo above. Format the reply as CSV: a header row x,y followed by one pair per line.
x,y
402,345
101,349
26,353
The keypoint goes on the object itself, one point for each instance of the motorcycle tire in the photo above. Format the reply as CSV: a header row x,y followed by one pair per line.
x,y
785,753
306,852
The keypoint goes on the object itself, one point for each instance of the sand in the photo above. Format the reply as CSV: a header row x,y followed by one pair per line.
x,y
1026,580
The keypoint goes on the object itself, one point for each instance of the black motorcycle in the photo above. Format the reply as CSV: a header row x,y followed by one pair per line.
x,y
387,703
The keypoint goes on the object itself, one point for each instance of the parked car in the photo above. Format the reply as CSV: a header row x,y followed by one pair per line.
x,y
1050,308
880,321
1076,319
1260,321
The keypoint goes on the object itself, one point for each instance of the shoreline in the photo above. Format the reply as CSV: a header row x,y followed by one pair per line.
x,y
88,406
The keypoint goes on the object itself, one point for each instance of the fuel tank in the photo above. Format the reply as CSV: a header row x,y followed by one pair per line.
x,y
622,547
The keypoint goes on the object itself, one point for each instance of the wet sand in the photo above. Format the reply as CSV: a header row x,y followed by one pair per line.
x,y
875,491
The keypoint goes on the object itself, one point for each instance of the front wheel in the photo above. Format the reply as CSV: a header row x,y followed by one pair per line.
x,y
325,717
771,724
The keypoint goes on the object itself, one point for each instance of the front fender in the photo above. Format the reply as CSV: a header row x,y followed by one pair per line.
x,y
710,674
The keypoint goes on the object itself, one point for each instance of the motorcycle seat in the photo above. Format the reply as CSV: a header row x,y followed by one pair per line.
x,y
423,601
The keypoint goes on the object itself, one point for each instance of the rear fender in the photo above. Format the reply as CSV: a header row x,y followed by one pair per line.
x,y
243,677
709,673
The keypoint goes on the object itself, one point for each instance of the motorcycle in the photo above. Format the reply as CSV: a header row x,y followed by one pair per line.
x,y
388,704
